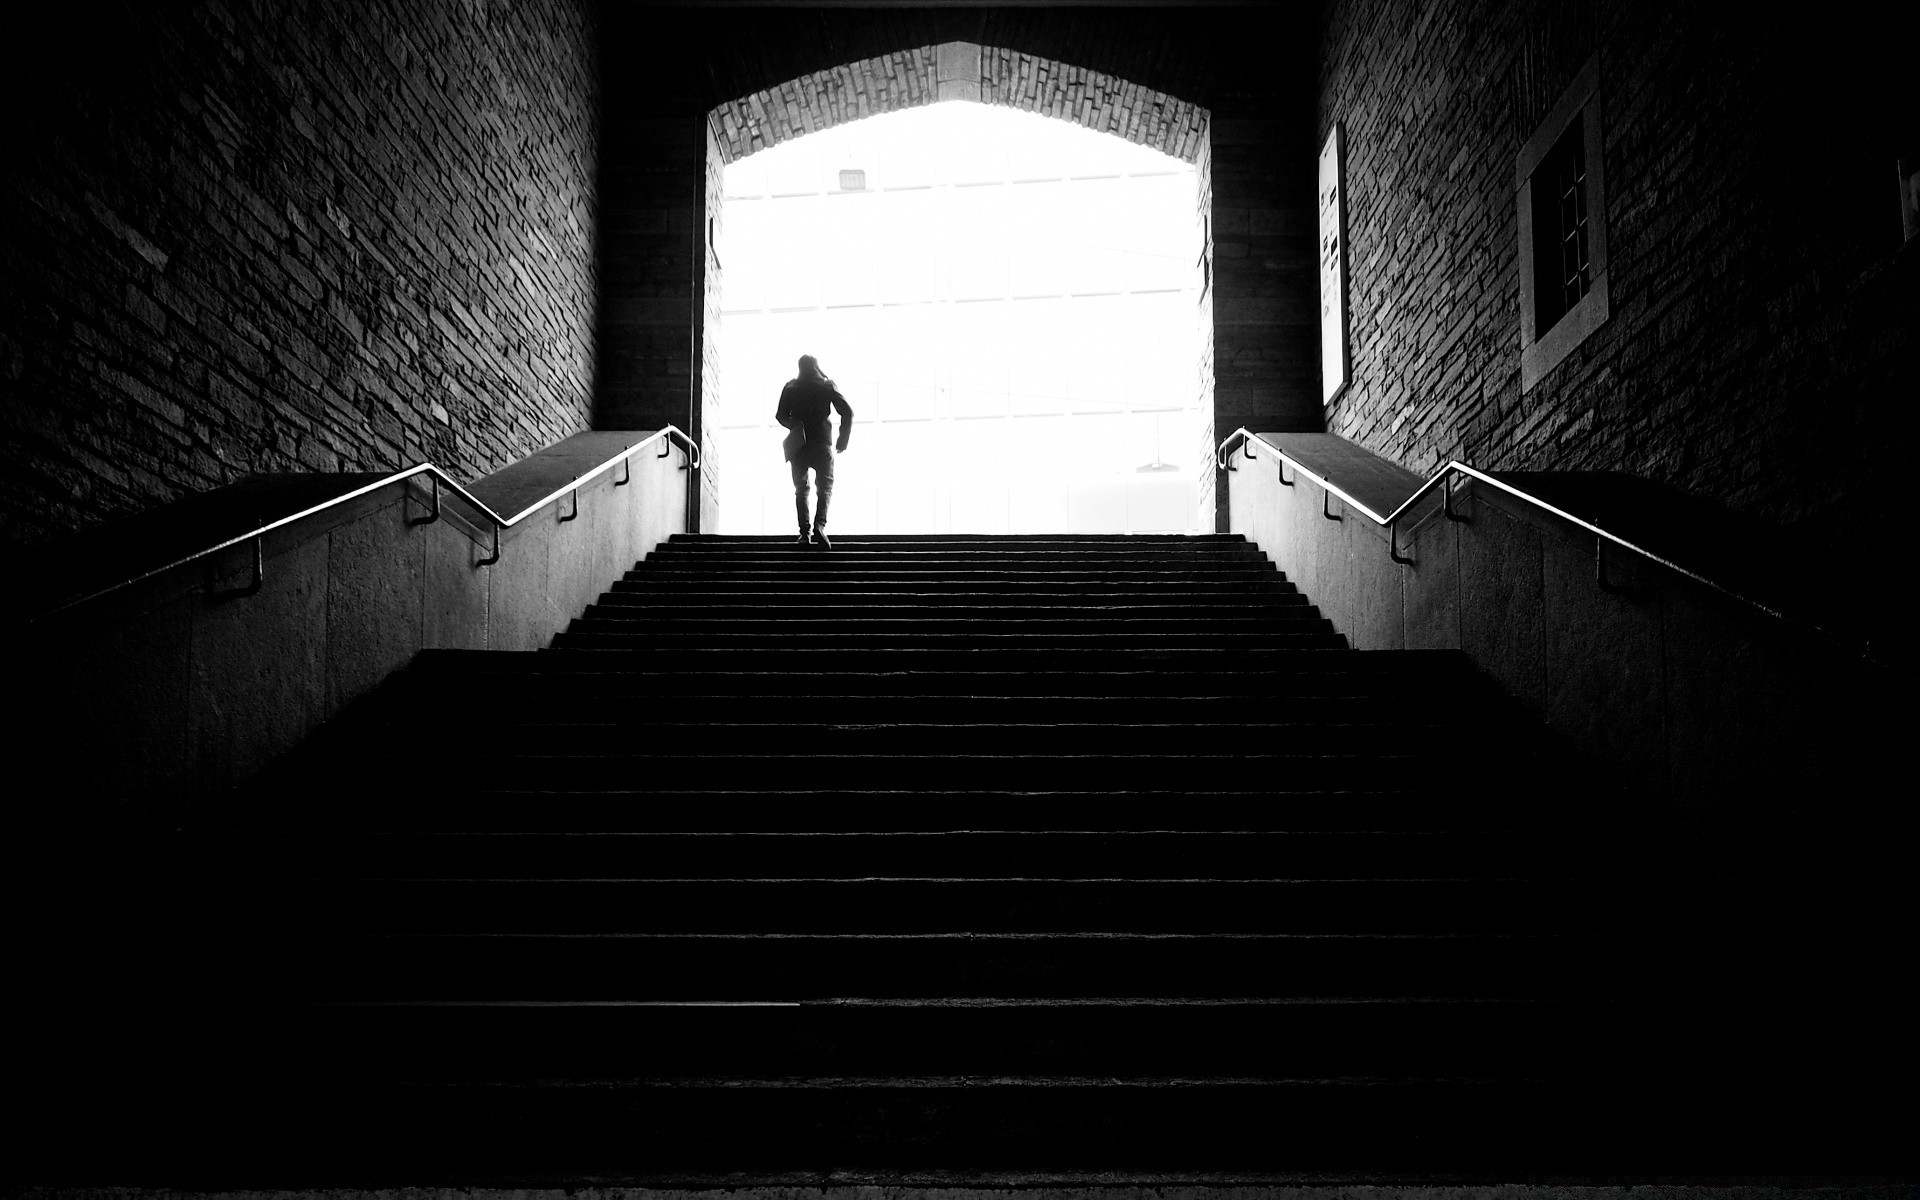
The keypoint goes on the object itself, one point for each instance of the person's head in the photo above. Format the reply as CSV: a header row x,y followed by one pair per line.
x,y
809,367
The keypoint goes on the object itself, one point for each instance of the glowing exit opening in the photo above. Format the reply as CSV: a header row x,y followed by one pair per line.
x,y
1011,304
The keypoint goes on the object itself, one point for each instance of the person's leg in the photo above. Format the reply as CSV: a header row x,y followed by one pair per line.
x,y
823,471
799,465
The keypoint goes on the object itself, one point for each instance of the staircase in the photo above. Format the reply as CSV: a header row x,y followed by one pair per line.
x,y
934,858
944,861
930,858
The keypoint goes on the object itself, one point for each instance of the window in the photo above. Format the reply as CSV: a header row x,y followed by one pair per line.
x,y
1563,240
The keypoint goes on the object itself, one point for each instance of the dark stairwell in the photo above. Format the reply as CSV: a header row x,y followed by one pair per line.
x,y
989,860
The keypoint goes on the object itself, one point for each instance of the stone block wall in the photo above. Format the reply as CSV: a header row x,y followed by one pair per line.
x,y
1761,348
290,237
959,71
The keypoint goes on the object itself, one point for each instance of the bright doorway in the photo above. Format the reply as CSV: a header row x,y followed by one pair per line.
x,y
1011,304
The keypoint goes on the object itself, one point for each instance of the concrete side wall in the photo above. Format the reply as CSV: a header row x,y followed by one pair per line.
x,y
1266,322
653,295
1742,736
239,239
148,705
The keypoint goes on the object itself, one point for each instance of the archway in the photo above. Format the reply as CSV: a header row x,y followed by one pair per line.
x,y
989,76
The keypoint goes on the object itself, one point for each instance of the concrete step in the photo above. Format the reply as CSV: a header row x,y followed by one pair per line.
x,y
854,577
603,634
985,542
810,736
1219,601
1272,675
782,966
1020,585
774,769
1030,622
675,611
715,1132
1140,855
587,676
308,801
913,907
841,561
895,659
413,705
1110,1037
1037,565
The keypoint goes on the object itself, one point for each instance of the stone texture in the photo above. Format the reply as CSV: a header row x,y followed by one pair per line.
x,y
315,237
1761,346
909,78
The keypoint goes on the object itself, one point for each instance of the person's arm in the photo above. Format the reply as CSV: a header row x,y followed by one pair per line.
x,y
784,413
845,410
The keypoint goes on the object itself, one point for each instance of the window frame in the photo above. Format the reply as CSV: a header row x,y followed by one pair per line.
x,y
1542,351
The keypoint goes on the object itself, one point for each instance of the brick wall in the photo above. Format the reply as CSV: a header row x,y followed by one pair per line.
x,y
291,237
1761,344
993,75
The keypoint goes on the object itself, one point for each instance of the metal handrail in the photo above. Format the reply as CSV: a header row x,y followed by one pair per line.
x,y
438,478
1444,476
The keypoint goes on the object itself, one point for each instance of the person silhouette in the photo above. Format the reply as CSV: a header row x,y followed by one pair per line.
x,y
807,405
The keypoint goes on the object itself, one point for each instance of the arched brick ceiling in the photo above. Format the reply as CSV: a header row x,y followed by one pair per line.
x,y
1230,60
959,71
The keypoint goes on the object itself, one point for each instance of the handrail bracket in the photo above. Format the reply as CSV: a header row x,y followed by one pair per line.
x,y
257,576
434,482
1600,572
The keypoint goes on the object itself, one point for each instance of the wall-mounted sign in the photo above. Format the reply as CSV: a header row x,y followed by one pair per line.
x,y
1333,268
